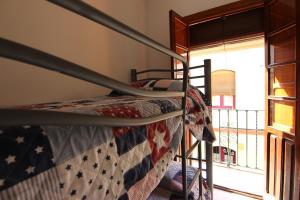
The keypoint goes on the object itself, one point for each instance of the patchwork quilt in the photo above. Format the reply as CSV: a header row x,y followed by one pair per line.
x,y
92,162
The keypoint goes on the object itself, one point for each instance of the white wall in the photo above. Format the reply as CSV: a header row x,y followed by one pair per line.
x,y
157,22
45,26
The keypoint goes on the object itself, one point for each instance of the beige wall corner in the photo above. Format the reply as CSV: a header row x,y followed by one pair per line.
x,y
48,27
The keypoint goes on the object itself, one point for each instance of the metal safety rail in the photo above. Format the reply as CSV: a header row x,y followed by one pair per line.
x,y
236,127
23,53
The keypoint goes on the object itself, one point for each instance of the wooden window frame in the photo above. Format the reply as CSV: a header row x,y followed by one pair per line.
x,y
222,105
222,12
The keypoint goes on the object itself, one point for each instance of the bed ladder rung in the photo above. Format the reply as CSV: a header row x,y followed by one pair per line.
x,y
190,151
197,175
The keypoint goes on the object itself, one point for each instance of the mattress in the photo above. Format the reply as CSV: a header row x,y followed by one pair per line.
x,y
170,187
92,162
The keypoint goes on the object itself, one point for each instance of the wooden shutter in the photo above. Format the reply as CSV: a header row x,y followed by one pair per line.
x,y
179,39
282,99
179,42
227,27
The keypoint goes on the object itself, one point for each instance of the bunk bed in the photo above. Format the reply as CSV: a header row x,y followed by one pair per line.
x,y
184,156
113,147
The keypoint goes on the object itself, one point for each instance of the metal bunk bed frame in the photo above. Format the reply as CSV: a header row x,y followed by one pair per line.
x,y
19,52
187,155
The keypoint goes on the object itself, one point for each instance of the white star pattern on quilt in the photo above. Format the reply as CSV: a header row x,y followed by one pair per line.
x,y
30,170
39,149
102,167
26,126
1,182
159,139
20,140
96,174
10,159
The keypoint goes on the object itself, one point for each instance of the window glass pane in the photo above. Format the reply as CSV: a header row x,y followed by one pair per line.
x,y
228,100
216,100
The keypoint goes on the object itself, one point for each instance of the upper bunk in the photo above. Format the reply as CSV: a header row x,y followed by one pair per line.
x,y
23,53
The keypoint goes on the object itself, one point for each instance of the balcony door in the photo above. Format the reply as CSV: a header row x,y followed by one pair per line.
x,y
179,40
282,132
244,19
179,43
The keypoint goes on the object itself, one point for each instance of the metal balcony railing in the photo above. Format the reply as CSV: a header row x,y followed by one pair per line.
x,y
240,138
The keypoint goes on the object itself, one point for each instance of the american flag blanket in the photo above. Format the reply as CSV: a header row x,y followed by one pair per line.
x,y
91,162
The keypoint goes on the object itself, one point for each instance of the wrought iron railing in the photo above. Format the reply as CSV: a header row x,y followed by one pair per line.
x,y
240,139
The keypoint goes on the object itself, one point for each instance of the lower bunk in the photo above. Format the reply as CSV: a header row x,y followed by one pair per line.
x,y
170,187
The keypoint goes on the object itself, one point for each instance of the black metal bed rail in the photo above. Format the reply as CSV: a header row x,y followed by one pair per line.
x,y
208,145
135,73
166,70
40,117
36,57
191,149
190,77
178,79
